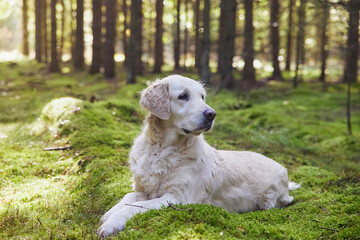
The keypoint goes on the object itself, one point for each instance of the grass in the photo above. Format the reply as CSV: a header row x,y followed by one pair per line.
x,y
63,194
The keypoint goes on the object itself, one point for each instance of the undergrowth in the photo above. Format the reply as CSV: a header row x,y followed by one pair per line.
x,y
63,194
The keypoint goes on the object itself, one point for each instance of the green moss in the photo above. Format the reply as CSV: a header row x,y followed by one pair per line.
x,y
63,194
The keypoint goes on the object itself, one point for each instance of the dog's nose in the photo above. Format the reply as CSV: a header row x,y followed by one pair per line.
x,y
209,114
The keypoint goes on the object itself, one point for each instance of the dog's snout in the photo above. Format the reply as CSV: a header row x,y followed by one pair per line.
x,y
209,114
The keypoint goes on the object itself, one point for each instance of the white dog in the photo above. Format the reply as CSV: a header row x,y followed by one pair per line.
x,y
172,163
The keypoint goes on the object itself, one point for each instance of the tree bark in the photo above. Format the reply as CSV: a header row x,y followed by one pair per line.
x,y
25,28
227,42
44,31
125,44
186,35
352,48
62,37
275,38
289,37
134,65
38,23
198,51
300,44
54,64
324,50
248,78
96,28
205,70
158,36
177,38
78,57
109,45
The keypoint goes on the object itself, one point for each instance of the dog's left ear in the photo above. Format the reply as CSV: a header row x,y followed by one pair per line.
x,y
155,98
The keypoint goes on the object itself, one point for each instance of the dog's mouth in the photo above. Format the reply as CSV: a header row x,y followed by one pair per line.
x,y
198,130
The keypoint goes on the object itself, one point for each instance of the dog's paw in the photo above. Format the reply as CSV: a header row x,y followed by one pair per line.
x,y
106,216
111,226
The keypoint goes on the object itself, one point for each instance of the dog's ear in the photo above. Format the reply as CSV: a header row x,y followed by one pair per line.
x,y
155,98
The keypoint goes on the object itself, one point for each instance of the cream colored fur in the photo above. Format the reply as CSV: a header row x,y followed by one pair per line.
x,y
172,163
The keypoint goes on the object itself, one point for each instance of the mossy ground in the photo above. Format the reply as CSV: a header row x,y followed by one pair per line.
x,y
63,194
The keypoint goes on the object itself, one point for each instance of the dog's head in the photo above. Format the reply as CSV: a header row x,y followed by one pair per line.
x,y
179,101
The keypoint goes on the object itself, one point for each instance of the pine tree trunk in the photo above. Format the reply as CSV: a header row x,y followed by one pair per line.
x,y
324,51
177,38
38,23
248,78
352,49
300,44
44,30
109,45
134,65
197,35
78,57
158,36
54,64
25,28
125,44
186,36
205,70
275,38
289,37
96,28
227,42
62,37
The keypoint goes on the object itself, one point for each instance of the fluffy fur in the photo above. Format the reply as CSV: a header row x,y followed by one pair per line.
x,y
172,163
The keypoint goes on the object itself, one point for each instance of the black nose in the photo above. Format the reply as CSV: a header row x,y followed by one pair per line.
x,y
209,114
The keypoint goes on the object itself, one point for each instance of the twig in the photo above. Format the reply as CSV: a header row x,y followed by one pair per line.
x,y
324,209
67,147
132,205
39,221
331,229
178,209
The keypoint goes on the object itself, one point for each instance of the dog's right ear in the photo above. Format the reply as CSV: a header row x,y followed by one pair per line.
x,y
155,98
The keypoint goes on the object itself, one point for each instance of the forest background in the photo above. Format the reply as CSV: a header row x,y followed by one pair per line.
x,y
282,76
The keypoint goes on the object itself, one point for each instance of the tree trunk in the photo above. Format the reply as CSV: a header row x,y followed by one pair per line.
x,y
54,64
352,49
186,35
177,38
109,45
300,44
79,36
197,35
205,70
44,30
227,42
324,51
125,45
248,72
25,28
96,28
38,23
158,36
134,66
289,37
275,38
62,37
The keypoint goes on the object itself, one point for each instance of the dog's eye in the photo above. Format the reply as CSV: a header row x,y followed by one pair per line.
x,y
203,97
184,96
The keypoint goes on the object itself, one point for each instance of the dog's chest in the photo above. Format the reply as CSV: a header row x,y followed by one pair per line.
x,y
155,170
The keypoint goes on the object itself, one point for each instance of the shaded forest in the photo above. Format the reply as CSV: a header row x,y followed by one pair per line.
x,y
228,43
282,76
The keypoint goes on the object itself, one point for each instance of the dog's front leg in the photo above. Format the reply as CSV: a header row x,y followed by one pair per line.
x,y
117,220
127,199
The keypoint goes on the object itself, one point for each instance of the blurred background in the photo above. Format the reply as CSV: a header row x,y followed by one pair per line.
x,y
251,39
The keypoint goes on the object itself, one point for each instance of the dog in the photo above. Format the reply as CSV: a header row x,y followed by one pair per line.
x,y
172,163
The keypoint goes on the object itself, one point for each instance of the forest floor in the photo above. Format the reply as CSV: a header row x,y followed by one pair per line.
x,y
63,194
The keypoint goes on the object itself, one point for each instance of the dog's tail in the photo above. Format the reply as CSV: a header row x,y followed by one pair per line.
x,y
294,186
